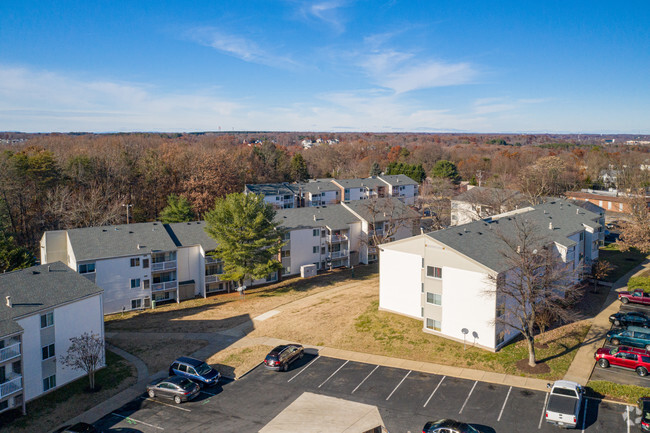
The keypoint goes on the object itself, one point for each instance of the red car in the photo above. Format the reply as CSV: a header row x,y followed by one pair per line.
x,y
626,357
638,296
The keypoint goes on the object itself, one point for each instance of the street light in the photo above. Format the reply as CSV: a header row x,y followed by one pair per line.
x,y
127,206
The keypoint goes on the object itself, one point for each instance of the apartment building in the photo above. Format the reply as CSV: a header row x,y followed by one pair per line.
x,y
42,308
279,195
444,278
612,201
480,202
402,187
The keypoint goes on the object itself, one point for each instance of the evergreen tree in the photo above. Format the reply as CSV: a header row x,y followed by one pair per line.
x,y
298,168
445,169
178,210
12,256
375,170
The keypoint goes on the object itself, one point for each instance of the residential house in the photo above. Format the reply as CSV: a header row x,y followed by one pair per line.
x,y
611,201
447,278
479,202
402,187
42,308
279,195
361,189
318,192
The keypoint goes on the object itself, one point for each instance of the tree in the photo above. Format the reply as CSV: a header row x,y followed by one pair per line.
x,y
599,270
375,170
298,168
549,176
12,256
445,169
535,279
85,353
386,216
248,238
415,172
635,233
435,195
178,210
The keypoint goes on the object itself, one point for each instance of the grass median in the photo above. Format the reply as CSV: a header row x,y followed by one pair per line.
x,y
615,391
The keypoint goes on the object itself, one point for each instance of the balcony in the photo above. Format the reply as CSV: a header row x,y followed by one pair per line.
x,y
338,254
163,266
210,260
211,278
10,352
379,233
11,386
332,239
168,285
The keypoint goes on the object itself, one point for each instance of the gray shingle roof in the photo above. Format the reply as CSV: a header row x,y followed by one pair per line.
x,y
479,240
270,188
477,193
367,182
335,216
192,233
117,241
39,288
383,209
397,179
315,186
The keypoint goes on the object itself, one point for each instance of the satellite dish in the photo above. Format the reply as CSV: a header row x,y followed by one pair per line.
x,y
475,334
465,331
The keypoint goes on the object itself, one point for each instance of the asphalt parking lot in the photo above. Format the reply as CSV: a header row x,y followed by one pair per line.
x,y
405,399
617,374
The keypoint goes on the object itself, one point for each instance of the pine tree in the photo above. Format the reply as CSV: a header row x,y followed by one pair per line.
x,y
375,170
298,168
178,210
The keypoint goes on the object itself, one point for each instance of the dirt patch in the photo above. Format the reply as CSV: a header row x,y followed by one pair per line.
x,y
235,361
538,369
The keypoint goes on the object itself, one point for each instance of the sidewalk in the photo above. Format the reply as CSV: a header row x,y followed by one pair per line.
x,y
583,364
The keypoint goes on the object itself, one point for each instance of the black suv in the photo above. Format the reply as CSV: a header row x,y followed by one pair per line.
x,y
280,357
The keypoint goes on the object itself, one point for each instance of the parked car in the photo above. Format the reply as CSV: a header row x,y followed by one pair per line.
x,y
448,426
626,357
563,405
644,407
176,388
637,296
280,357
631,318
80,427
630,336
196,370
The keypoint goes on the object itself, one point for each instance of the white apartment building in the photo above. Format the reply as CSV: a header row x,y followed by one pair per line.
x,y
279,195
444,278
480,202
42,308
402,187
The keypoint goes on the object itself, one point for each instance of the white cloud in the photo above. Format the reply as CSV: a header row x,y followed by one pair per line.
x,y
325,11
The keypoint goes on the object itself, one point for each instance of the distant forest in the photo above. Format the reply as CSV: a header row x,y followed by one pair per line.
x,y
58,181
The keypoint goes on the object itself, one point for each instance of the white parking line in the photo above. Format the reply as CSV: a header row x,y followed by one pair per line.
x,y
543,412
434,391
584,416
504,404
373,370
627,421
332,375
167,404
403,379
129,419
467,399
208,393
306,366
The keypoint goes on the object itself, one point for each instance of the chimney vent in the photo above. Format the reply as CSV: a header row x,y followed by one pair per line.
x,y
518,248
577,211
314,217
9,304
550,225
49,269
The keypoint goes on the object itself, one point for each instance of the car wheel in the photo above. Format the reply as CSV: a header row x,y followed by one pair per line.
x,y
603,363
285,367
642,371
625,300
617,322
177,399
151,393
301,355
615,341
647,347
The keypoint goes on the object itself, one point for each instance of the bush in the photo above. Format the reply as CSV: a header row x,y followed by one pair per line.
x,y
639,283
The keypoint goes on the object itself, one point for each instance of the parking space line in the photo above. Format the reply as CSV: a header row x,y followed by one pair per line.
x,y
403,379
467,399
376,367
504,404
543,412
627,420
208,393
128,418
584,416
332,375
306,366
434,391
167,404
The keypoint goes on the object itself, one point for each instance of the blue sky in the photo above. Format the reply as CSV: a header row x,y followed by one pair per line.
x,y
331,65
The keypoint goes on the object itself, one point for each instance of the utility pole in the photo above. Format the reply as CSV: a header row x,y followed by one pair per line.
x,y
127,206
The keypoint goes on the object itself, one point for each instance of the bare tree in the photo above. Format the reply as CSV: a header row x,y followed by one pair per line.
x,y
599,270
484,201
435,194
635,233
386,217
85,353
548,176
535,279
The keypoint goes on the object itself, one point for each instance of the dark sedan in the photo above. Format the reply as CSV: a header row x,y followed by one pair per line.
x,y
448,426
176,388
631,318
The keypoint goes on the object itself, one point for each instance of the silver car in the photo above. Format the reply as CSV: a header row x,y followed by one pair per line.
x,y
176,388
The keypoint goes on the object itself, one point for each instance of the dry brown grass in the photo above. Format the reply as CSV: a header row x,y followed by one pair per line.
x,y
235,361
157,351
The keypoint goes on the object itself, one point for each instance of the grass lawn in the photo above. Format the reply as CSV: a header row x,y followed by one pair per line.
x,y
352,321
48,412
157,351
235,361
623,261
221,312
615,391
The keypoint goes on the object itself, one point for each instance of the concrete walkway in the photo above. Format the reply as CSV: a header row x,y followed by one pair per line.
x,y
583,364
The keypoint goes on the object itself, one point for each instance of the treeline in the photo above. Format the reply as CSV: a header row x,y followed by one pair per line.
x,y
57,181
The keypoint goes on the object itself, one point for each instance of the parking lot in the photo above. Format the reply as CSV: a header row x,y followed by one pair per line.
x,y
617,374
405,399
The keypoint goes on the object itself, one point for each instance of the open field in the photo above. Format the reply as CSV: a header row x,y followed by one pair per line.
x,y
623,261
54,409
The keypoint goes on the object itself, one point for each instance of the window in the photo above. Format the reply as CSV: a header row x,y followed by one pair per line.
x,y
47,319
422,288
620,207
145,284
136,303
287,270
286,236
86,268
286,253
145,263
47,351
433,324
422,312
315,249
135,283
422,262
49,382
322,250
434,298
135,262
434,272
316,232
4,405
582,235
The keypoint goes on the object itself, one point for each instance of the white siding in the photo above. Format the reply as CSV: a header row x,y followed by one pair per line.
x,y
190,264
54,247
302,249
32,380
114,276
400,282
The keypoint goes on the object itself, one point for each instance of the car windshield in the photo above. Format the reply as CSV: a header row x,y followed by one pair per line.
x,y
186,384
203,369
614,351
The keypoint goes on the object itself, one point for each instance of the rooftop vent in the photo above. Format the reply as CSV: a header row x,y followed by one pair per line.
x,y
8,299
104,230
518,249
314,217
577,211
49,269
550,225
130,232
35,272
116,229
